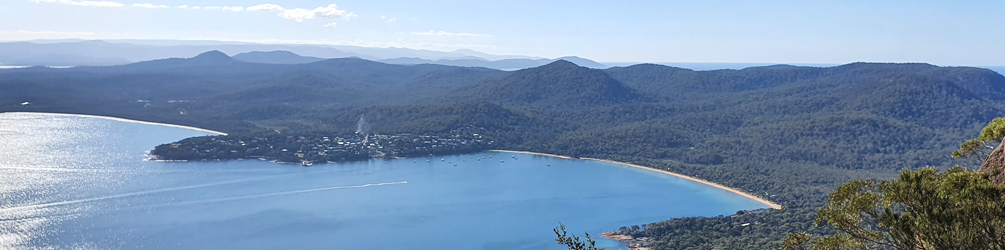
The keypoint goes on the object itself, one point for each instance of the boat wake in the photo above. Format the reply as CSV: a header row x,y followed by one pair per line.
x,y
284,193
117,196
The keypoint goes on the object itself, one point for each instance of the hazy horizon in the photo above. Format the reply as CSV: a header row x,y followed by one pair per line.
x,y
828,32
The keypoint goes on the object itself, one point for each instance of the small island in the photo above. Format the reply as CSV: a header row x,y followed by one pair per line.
x,y
307,149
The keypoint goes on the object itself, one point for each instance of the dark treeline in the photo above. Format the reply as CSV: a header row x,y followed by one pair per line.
x,y
758,229
789,134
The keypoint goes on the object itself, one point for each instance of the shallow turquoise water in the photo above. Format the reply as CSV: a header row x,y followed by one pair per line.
x,y
72,182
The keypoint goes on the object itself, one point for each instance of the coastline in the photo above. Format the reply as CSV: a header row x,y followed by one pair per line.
x,y
127,120
631,242
536,153
709,183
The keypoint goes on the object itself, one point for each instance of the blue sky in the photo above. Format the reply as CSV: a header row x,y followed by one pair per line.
x,y
939,32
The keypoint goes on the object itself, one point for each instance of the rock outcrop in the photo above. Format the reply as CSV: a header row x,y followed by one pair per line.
x,y
995,165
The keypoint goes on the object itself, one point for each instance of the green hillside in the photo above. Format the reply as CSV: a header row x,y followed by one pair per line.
x,y
789,134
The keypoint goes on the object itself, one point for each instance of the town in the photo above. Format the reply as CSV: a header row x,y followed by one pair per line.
x,y
307,149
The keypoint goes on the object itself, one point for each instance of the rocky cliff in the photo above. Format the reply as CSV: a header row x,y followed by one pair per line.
x,y
995,165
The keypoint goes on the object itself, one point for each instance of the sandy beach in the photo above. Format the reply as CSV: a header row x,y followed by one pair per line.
x,y
127,120
535,153
709,183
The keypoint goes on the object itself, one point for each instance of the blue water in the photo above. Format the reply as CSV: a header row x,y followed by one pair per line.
x,y
82,183
999,69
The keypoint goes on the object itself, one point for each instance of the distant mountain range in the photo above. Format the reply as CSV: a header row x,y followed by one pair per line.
x,y
275,57
504,64
75,52
286,57
118,52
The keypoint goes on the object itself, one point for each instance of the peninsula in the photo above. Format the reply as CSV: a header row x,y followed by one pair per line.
x,y
307,149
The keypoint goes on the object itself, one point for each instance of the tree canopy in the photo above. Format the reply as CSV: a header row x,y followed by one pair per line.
x,y
979,147
921,209
572,241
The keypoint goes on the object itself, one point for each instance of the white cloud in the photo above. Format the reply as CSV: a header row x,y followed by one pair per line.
x,y
83,3
266,7
183,6
332,25
149,6
299,15
444,33
224,8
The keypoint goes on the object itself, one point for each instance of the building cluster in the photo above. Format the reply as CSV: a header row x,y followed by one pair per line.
x,y
307,149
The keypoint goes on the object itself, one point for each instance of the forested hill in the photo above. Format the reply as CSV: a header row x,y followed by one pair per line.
x,y
787,133
275,57
557,85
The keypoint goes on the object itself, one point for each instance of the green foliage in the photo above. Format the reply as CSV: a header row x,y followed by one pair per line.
x,y
851,206
572,241
758,229
922,209
969,148
838,242
994,131
797,241
979,148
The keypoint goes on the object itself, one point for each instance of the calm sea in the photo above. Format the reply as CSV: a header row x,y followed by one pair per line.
x,y
82,183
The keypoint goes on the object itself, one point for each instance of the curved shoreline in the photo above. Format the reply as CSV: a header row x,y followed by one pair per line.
x,y
125,120
709,183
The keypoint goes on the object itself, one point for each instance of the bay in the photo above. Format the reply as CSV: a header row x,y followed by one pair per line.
x,y
83,183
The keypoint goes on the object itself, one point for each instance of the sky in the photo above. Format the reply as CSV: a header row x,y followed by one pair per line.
x,y
968,33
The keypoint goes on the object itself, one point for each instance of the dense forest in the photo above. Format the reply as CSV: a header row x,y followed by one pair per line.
x,y
789,134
